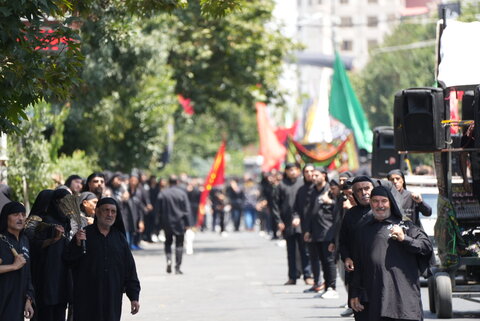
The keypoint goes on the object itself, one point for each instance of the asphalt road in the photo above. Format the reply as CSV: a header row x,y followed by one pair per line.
x,y
238,277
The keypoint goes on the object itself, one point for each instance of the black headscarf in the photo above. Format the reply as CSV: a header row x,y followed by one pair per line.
x,y
53,209
9,208
41,203
385,192
118,224
397,172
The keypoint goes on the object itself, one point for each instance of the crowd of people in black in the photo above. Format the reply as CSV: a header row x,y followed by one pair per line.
x,y
61,268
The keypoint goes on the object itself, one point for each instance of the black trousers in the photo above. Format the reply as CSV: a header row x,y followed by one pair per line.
x,y
220,215
51,312
295,242
319,253
178,247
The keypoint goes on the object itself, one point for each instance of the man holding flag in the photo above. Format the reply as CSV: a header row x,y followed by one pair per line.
x,y
215,177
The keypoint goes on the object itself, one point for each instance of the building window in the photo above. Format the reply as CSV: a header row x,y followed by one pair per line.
x,y
347,45
319,1
372,44
346,22
343,1
372,1
372,21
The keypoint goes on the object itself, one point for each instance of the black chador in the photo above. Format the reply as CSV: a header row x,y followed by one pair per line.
x,y
15,286
103,274
386,276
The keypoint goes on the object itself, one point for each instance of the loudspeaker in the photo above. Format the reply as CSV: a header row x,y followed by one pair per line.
x,y
418,113
384,156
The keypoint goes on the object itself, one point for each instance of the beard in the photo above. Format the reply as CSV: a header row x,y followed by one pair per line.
x,y
381,216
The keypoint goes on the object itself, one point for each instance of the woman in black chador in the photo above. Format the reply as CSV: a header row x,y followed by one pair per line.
x,y
49,271
16,291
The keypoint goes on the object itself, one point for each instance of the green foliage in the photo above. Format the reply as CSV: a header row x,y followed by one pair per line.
x,y
133,68
33,163
29,164
235,59
121,108
29,74
78,163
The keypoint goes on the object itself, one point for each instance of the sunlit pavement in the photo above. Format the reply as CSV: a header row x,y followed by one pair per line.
x,y
237,277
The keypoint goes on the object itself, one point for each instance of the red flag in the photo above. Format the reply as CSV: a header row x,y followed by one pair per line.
x,y
186,104
271,149
215,177
282,133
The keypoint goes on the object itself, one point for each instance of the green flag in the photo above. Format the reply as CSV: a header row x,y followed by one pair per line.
x,y
345,107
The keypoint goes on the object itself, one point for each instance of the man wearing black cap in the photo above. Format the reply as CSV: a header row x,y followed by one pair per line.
x,y
361,187
301,207
16,290
412,203
289,224
390,255
106,270
320,234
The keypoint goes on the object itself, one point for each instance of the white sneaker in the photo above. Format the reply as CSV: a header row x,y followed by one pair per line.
x,y
330,294
155,238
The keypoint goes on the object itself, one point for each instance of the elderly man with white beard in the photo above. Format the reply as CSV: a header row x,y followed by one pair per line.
x,y
389,257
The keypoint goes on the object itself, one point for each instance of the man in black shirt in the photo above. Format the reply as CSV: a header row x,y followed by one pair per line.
x,y
320,233
106,270
289,224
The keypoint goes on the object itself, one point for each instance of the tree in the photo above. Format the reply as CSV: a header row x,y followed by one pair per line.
x,y
29,74
133,66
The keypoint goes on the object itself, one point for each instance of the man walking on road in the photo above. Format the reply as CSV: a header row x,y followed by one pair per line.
x,y
174,211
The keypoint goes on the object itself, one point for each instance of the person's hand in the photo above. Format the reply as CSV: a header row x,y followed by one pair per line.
x,y
28,311
59,232
80,236
356,305
417,198
135,307
19,261
295,222
149,207
397,233
281,227
90,220
141,226
349,265
325,199
331,247
307,237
